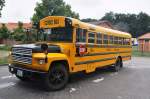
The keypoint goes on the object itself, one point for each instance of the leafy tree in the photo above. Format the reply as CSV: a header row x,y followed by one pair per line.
x,y
137,25
52,7
2,2
19,33
109,16
4,32
143,23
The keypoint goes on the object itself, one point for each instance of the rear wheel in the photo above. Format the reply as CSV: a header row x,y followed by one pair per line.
x,y
118,65
57,77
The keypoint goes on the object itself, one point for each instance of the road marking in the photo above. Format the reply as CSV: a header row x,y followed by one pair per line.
x,y
98,80
119,97
5,77
5,85
72,90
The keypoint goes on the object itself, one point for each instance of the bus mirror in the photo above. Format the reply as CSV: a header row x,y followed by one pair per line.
x,y
44,47
68,22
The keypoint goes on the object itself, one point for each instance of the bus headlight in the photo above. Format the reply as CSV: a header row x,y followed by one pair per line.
x,y
41,61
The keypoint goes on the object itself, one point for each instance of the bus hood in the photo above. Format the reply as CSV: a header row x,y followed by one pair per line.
x,y
36,48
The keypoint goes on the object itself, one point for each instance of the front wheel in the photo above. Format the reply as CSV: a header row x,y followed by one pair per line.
x,y
57,77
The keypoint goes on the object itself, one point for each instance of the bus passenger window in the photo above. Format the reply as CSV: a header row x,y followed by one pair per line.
x,y
99,38
120,40
111,39
105,39
115,40
91,37
80,35
124,41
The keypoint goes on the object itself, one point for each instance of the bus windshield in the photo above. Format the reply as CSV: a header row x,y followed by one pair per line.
x,y
59,34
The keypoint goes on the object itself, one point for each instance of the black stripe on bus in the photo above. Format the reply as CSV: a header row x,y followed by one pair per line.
x,y
105,46
125,56
99,60
104,53
108,46
93,61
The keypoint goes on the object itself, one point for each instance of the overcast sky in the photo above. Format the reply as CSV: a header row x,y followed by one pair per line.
x,y
22,10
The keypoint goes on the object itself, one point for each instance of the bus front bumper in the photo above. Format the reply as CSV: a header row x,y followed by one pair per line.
x,y
24,72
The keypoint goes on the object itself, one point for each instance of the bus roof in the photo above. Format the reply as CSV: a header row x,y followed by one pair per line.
x,y
100,29
83,25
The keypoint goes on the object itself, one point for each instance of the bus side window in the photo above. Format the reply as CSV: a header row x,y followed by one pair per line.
x,y
120,40
81,35
99,38
105,39
111,39
115,40
124,41
91,37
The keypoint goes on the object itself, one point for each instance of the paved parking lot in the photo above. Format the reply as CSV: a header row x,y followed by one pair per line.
x,y
132,82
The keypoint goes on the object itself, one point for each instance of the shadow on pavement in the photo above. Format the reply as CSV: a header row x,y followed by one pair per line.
x,y
75,79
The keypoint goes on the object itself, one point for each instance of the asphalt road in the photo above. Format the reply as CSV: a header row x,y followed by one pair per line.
x,y
132,82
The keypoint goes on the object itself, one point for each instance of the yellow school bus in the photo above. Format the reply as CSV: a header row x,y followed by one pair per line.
x,y
69,46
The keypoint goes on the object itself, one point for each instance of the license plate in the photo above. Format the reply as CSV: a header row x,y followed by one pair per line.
x,y
20,73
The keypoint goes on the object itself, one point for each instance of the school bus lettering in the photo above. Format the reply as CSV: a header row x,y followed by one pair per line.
x,y
69,46
51,22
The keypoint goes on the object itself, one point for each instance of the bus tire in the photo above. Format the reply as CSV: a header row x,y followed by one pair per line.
x,y
118,65
57,77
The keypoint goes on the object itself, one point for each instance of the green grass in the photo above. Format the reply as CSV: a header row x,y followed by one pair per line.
x,y
5,47
4,60
137,53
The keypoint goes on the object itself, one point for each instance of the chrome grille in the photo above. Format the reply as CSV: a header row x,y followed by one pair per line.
x,y
21,54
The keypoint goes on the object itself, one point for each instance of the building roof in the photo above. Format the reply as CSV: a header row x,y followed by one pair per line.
x,y
12,26
145,36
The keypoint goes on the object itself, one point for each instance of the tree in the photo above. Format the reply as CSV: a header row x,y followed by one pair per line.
x,y
19,33
137,25
109,17
143,23
2,2
52,7
4,32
